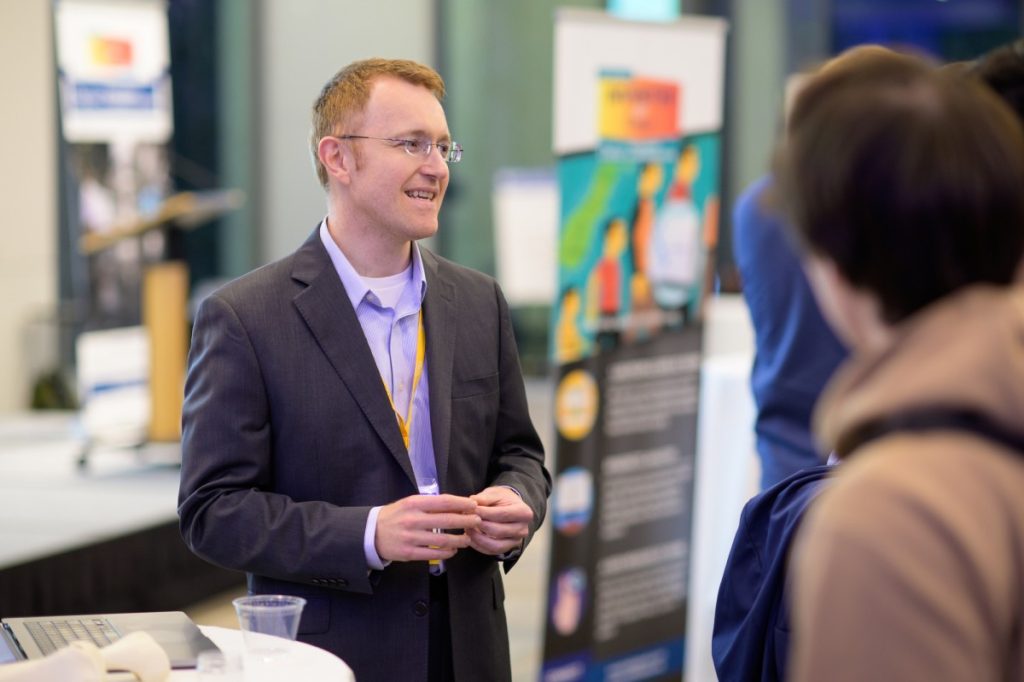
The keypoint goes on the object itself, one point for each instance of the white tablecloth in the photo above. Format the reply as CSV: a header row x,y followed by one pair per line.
x,y
728,469
301,662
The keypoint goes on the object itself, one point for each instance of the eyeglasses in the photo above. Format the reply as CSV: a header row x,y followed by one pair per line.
x,y
451,151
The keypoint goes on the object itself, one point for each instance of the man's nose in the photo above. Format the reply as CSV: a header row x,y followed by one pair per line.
x,y
435,163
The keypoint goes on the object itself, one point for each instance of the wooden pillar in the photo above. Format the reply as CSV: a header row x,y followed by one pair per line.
x,y
165,294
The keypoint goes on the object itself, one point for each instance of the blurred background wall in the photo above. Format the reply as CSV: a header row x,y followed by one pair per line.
x,y
28,192
245,75
303,44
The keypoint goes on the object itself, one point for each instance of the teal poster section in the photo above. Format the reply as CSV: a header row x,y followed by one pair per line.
x,y
639,223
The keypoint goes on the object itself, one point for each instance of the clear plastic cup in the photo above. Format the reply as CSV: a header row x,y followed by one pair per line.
x,y
273,614
267,621
270,614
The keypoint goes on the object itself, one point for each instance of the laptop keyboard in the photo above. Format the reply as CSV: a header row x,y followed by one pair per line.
x,y
51,635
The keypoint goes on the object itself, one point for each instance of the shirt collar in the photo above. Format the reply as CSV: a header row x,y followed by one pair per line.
x,y
354,285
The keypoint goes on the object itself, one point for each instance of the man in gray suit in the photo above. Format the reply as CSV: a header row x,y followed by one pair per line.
x,y
333,394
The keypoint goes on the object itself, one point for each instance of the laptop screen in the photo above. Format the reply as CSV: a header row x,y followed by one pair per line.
x,y
8,652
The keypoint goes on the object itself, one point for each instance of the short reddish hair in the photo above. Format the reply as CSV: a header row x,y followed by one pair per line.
x,y
346,95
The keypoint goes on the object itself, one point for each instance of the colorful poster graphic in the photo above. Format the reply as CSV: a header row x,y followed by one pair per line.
x,y
638,230
637,130
639,224
633,109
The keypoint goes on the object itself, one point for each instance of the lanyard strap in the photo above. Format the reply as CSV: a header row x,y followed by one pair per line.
x,y
421,348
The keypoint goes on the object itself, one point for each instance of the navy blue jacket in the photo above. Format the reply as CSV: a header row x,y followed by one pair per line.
x,y
796,352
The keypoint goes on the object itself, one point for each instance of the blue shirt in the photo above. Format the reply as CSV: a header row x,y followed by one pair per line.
x,y
796,351
392,333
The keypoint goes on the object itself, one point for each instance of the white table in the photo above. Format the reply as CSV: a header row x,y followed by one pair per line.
x,y
301,662
728,469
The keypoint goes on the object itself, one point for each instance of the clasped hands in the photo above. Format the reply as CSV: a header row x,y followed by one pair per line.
x,y
494,521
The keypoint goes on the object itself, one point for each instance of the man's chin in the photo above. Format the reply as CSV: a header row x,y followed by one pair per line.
x,y
426,231
428,228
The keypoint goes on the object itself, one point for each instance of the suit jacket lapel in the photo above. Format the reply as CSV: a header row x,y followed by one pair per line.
x,y
325,307
440,320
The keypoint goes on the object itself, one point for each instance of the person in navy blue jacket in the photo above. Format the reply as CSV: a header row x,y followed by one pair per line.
x,y
795,352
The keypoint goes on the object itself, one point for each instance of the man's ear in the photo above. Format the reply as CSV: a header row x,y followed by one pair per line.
x,y
854,314
336,156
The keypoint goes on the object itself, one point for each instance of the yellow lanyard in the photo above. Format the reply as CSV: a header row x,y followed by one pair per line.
x,y
421,348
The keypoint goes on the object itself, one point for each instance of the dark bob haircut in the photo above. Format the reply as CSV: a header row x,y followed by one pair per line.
x,y
910,182
1002,69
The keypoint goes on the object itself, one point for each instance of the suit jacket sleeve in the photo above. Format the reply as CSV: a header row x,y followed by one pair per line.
x,y
518,453
228,512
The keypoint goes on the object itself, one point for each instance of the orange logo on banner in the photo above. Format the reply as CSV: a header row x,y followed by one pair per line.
x,y
110,51
638,109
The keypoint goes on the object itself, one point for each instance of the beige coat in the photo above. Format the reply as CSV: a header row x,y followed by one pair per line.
x,y
910,566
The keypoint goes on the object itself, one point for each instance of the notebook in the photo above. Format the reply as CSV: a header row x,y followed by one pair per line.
x,y
36,637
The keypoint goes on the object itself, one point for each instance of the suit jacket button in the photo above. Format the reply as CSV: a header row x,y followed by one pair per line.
x,y
342,582
420,608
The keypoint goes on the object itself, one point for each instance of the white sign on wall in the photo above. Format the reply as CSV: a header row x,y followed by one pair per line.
x,y
588,43
113,62
526,233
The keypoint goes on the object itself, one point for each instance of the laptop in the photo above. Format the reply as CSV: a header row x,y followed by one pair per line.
x,y
29,638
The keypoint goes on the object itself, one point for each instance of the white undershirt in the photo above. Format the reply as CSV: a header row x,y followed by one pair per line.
x,y
388,289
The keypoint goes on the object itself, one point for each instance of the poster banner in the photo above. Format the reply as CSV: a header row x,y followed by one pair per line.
x,y
637,126
113,64
626,420
114,80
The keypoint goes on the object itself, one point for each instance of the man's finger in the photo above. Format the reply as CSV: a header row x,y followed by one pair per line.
x,y
446,521
491,546
511,513
455,504
504,531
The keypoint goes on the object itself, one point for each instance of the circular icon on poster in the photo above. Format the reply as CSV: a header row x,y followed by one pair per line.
x,y
574,500
568,600
576,404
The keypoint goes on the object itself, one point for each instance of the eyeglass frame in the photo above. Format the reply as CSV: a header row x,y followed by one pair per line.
x,y
453,155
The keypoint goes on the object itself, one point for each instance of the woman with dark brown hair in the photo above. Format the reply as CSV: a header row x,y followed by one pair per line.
x,y
904,186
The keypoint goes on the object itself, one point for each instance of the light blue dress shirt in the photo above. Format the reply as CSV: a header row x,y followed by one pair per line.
x,y
391,333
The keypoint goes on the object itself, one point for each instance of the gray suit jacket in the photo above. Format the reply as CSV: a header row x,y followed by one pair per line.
x,y
289,439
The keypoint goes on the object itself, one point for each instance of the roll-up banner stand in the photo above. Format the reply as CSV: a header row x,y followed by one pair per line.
x,y
638,119
114,78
